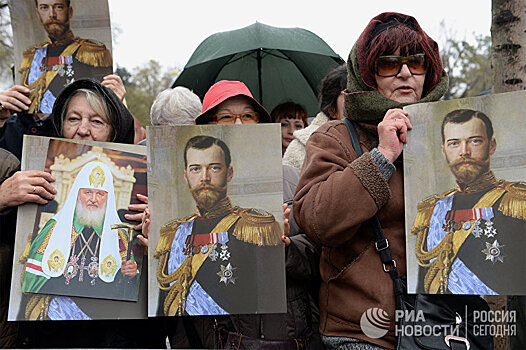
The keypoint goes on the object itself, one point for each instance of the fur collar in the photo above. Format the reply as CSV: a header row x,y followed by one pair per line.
x,y
303,135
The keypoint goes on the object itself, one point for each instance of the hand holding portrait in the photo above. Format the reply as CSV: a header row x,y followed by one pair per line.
x,y
30,186
14,100
286,225
392,133
115,84
145,227
140,208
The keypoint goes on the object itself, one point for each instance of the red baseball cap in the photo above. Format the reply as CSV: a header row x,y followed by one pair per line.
x,y
222,91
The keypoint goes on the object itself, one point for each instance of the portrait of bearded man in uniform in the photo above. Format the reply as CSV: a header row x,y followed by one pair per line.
x,y
471,239
208,260
83,249
48,67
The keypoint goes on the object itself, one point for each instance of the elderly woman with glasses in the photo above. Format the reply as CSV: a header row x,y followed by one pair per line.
x,y
393,64
230,102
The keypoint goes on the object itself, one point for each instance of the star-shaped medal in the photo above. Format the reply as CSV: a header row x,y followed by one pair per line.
x,y
493,252
227,274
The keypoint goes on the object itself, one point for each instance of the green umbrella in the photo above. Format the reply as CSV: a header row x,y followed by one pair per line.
x,y
277,64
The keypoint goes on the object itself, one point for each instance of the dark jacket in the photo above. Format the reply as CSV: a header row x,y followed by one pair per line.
x,y
20,124
8,330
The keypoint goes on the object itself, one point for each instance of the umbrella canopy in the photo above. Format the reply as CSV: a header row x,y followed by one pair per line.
x,y
277,64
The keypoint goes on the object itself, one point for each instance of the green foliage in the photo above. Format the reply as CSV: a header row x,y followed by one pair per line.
x,y
468,65
143,84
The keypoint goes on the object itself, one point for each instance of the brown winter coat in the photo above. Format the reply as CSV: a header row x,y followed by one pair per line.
x,y
332,201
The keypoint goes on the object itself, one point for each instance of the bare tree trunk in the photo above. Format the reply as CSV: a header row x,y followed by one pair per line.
x,y
508,59
509,45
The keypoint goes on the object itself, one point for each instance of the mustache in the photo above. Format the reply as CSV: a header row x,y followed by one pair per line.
x,y
209,187
467,161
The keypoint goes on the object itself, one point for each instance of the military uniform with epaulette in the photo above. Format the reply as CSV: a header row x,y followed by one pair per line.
x,y
472,240
47,68
208,261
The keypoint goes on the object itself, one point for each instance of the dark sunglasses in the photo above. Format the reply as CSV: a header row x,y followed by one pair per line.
x,y
389,66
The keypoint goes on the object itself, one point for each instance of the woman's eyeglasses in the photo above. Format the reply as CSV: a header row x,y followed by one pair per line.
x,y
389,66
230,118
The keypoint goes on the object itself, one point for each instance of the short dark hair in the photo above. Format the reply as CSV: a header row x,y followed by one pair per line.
x,y
331,87
68,3
205,142
289,110
460,116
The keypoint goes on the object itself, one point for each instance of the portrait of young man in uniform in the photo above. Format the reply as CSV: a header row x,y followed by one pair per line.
x,y
471,239
83,249
48,67
208,261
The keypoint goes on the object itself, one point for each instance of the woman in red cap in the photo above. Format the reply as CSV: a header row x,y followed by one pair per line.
x,y
230,102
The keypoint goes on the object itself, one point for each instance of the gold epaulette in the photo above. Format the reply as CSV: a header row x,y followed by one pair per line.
x,y
93,53
258,227
513,201
167,235
425,211
27,58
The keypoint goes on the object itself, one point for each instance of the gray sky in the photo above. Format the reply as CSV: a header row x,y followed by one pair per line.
x,y
170,30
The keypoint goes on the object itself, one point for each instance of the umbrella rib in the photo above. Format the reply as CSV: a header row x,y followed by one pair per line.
x,y
301,72
241,57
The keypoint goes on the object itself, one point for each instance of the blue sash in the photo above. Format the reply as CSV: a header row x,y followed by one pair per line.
x,y
198,302
461,279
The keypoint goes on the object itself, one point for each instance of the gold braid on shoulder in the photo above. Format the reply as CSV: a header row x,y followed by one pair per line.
x,y
257,227
513,202
93,53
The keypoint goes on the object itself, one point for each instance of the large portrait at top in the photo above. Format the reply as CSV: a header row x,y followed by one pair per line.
x,y
57,42
216,200
80,244
465,196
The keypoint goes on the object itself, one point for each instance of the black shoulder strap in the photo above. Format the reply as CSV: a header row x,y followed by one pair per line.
x,y
381,244
355,140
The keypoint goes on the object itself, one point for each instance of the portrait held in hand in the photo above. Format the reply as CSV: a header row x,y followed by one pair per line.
x,y
216,260
82,245
470,239
59,56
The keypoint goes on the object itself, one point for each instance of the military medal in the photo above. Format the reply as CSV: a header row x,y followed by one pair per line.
x,y
225,254
226,274
493,252
213,253
490,231
477,230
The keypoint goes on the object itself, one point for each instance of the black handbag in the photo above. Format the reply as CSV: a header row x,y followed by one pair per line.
x,y
427,321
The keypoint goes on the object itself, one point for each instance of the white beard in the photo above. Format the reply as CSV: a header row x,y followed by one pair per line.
x,y
87,217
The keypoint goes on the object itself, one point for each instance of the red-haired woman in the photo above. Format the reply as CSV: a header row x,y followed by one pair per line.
x,y
292,117
393,64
